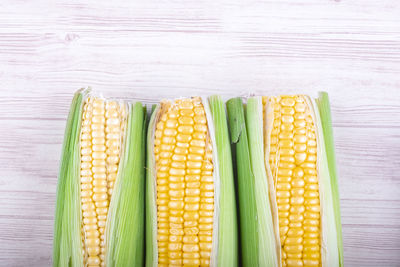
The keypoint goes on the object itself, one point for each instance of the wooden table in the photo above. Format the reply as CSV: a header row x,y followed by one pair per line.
x,y
148,50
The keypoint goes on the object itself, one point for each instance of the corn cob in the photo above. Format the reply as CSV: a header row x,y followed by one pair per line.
x,y
191,216
288,141
96,137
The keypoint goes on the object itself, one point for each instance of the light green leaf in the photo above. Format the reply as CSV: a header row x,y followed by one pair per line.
x,y
268,251
326,123
125,222
67,244
227,228
249,232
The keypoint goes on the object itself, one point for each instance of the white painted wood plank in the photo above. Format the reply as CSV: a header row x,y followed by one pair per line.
x,y
148,50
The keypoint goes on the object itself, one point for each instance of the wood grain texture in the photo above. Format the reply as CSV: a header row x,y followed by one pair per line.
x,y
148,50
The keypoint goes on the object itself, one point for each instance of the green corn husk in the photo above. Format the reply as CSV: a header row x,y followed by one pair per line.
x,y
227,228
245,182
67,245
125,222
247,132
151,209
224,244
326,134
257,232
329,242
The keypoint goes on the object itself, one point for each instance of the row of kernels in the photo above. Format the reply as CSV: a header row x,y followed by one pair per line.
x,y
90,227
286,149
293,245
100,196
162,192
113,142
190,248
311,243
207,206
